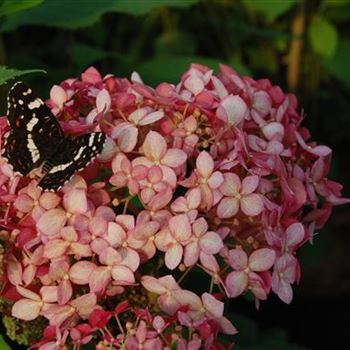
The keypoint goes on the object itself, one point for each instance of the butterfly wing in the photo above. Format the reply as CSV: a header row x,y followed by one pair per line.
x,y
72,155
35,131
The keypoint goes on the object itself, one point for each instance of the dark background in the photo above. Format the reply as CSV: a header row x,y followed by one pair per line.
x,y
304,46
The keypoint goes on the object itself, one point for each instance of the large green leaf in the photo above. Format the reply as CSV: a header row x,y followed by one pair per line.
x,y
339,64
3,344
78,13
323,37
270,9
84,55
7,74
169,68
10,6
141,7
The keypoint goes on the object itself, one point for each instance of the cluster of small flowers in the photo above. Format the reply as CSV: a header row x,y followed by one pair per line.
x,y
214,174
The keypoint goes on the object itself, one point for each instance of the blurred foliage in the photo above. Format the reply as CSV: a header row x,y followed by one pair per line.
x,y
302,45
3,345
9,73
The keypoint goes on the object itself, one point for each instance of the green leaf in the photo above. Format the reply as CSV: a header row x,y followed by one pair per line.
x,y
141,7
336,2
7,74
3,344
175,43
169,68
338,66
11,6
84,55
323,37
271,9
77,14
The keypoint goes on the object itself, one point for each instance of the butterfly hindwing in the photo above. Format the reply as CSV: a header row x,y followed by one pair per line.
x,y
72,155
17,153
35,130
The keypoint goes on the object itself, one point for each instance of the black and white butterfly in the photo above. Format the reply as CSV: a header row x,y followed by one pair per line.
x,y
37,139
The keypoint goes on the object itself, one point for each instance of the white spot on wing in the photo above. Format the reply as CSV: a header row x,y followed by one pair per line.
x,y
60,167
25,93
81,150
91,139
33,149
35,104
32,123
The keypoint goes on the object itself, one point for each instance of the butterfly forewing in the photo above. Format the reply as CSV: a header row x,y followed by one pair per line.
x,y
35,131
72,155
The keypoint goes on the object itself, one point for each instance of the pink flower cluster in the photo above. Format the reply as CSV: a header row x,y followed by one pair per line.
x,y
214,174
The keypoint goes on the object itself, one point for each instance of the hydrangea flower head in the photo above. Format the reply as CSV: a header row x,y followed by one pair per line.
x,y
215,173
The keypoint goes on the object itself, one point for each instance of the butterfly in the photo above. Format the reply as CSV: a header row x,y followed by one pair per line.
x,y
37,139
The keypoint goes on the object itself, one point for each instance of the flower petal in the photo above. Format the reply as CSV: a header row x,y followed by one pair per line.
x,y
191,254
236,283
123,275
26,309
75,201
262,259
228,207
173,256
174,158
205,164
294,234
238,259
51,222
213,305
211,243
232,110
103,101
80,272
154,146
180,227
249,184
252,204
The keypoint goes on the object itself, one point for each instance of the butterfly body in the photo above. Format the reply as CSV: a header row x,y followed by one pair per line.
x,y
37,139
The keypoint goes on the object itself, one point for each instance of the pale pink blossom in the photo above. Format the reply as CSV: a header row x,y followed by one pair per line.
x,y
239,195
173,238
232,110
111,268
157,153
284,274
67,243
81,306
58,97
247,270
185,136
202,244
103,105
127,175
33,305
188,204
171,296
143,339
32,199
206,179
